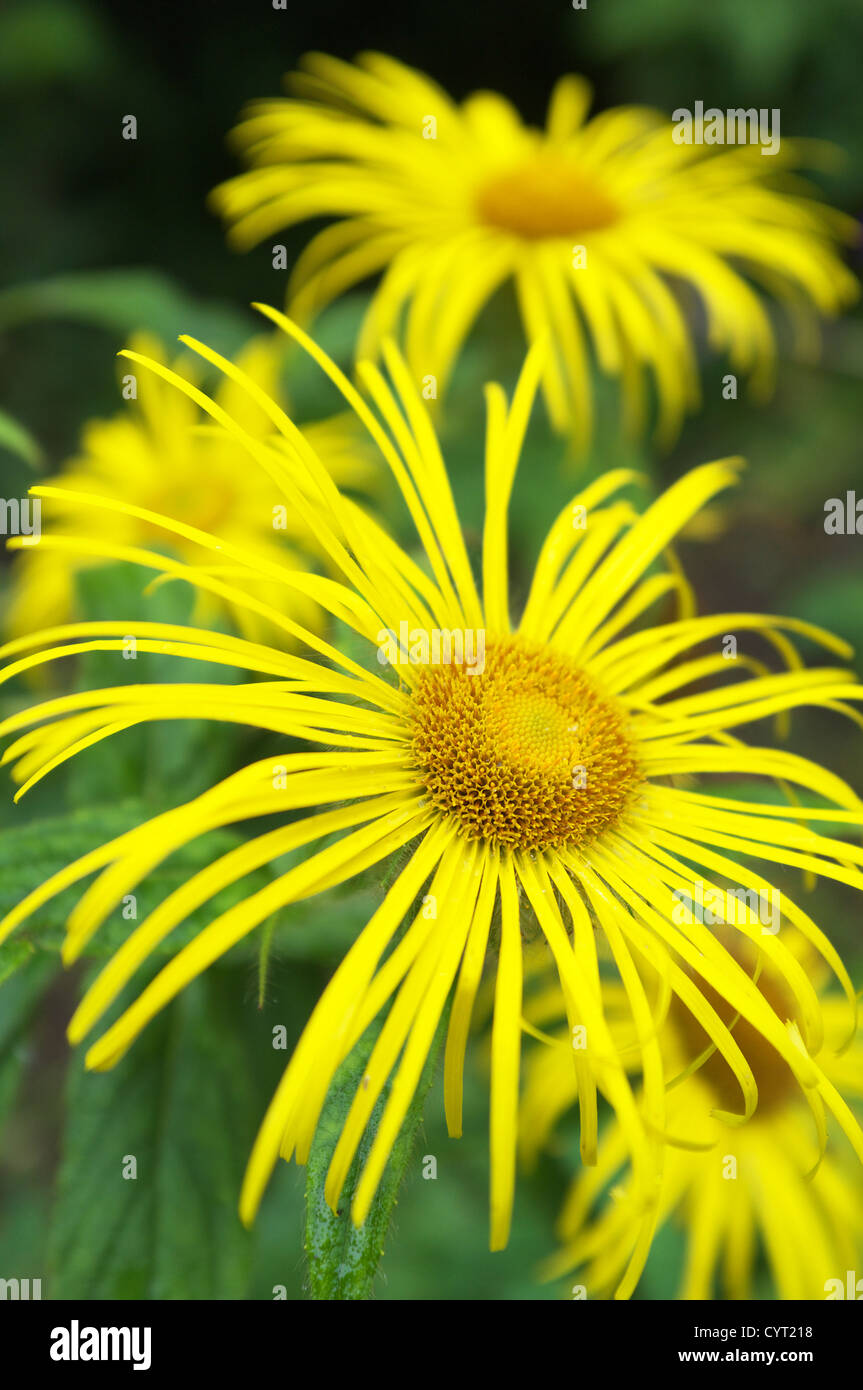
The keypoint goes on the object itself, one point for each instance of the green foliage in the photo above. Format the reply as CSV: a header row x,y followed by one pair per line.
x,y
34,852
19,441
21,993
179,1105
44,40
343,1258
790,54
125,301
14,955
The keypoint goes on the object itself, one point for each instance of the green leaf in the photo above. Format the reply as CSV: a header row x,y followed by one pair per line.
x,y
321,929
125,301
22,990
20,996
31,853
832,593
13,955
19,441
179,1104
343,1258
324,927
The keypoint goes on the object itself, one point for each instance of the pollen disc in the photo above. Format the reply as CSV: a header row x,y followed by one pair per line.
x,y
547,197
528,752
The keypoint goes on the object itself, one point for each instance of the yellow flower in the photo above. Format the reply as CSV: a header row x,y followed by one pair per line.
x,y
158,455
525,763
768,1185
591,221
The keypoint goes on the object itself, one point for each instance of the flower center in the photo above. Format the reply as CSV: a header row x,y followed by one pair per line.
x,y
547,197
773,1076
528,753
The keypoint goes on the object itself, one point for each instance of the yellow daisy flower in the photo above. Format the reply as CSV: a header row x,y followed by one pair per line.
x,y
768,1186
159,454
525,763
591,221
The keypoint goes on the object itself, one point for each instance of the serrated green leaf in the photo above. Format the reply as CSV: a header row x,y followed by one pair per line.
x,y
343,1259
321,929
180,1105
31,853
32,850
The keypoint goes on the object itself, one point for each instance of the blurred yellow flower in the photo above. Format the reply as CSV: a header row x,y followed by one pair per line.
x,y
767,1186
592,221
161,454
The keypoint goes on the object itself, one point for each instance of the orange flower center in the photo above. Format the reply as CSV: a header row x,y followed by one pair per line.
x,y
528,753
547,197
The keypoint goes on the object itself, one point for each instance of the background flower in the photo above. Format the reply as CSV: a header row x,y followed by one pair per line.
x,y
158,455
770,1197
589,219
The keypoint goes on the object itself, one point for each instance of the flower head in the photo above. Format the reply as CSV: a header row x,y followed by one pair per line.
x,y
771,1184
591,221
160,457
499,753
537,786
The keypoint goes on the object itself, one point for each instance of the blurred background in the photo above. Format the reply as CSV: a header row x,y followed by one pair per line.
x,y
101,237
